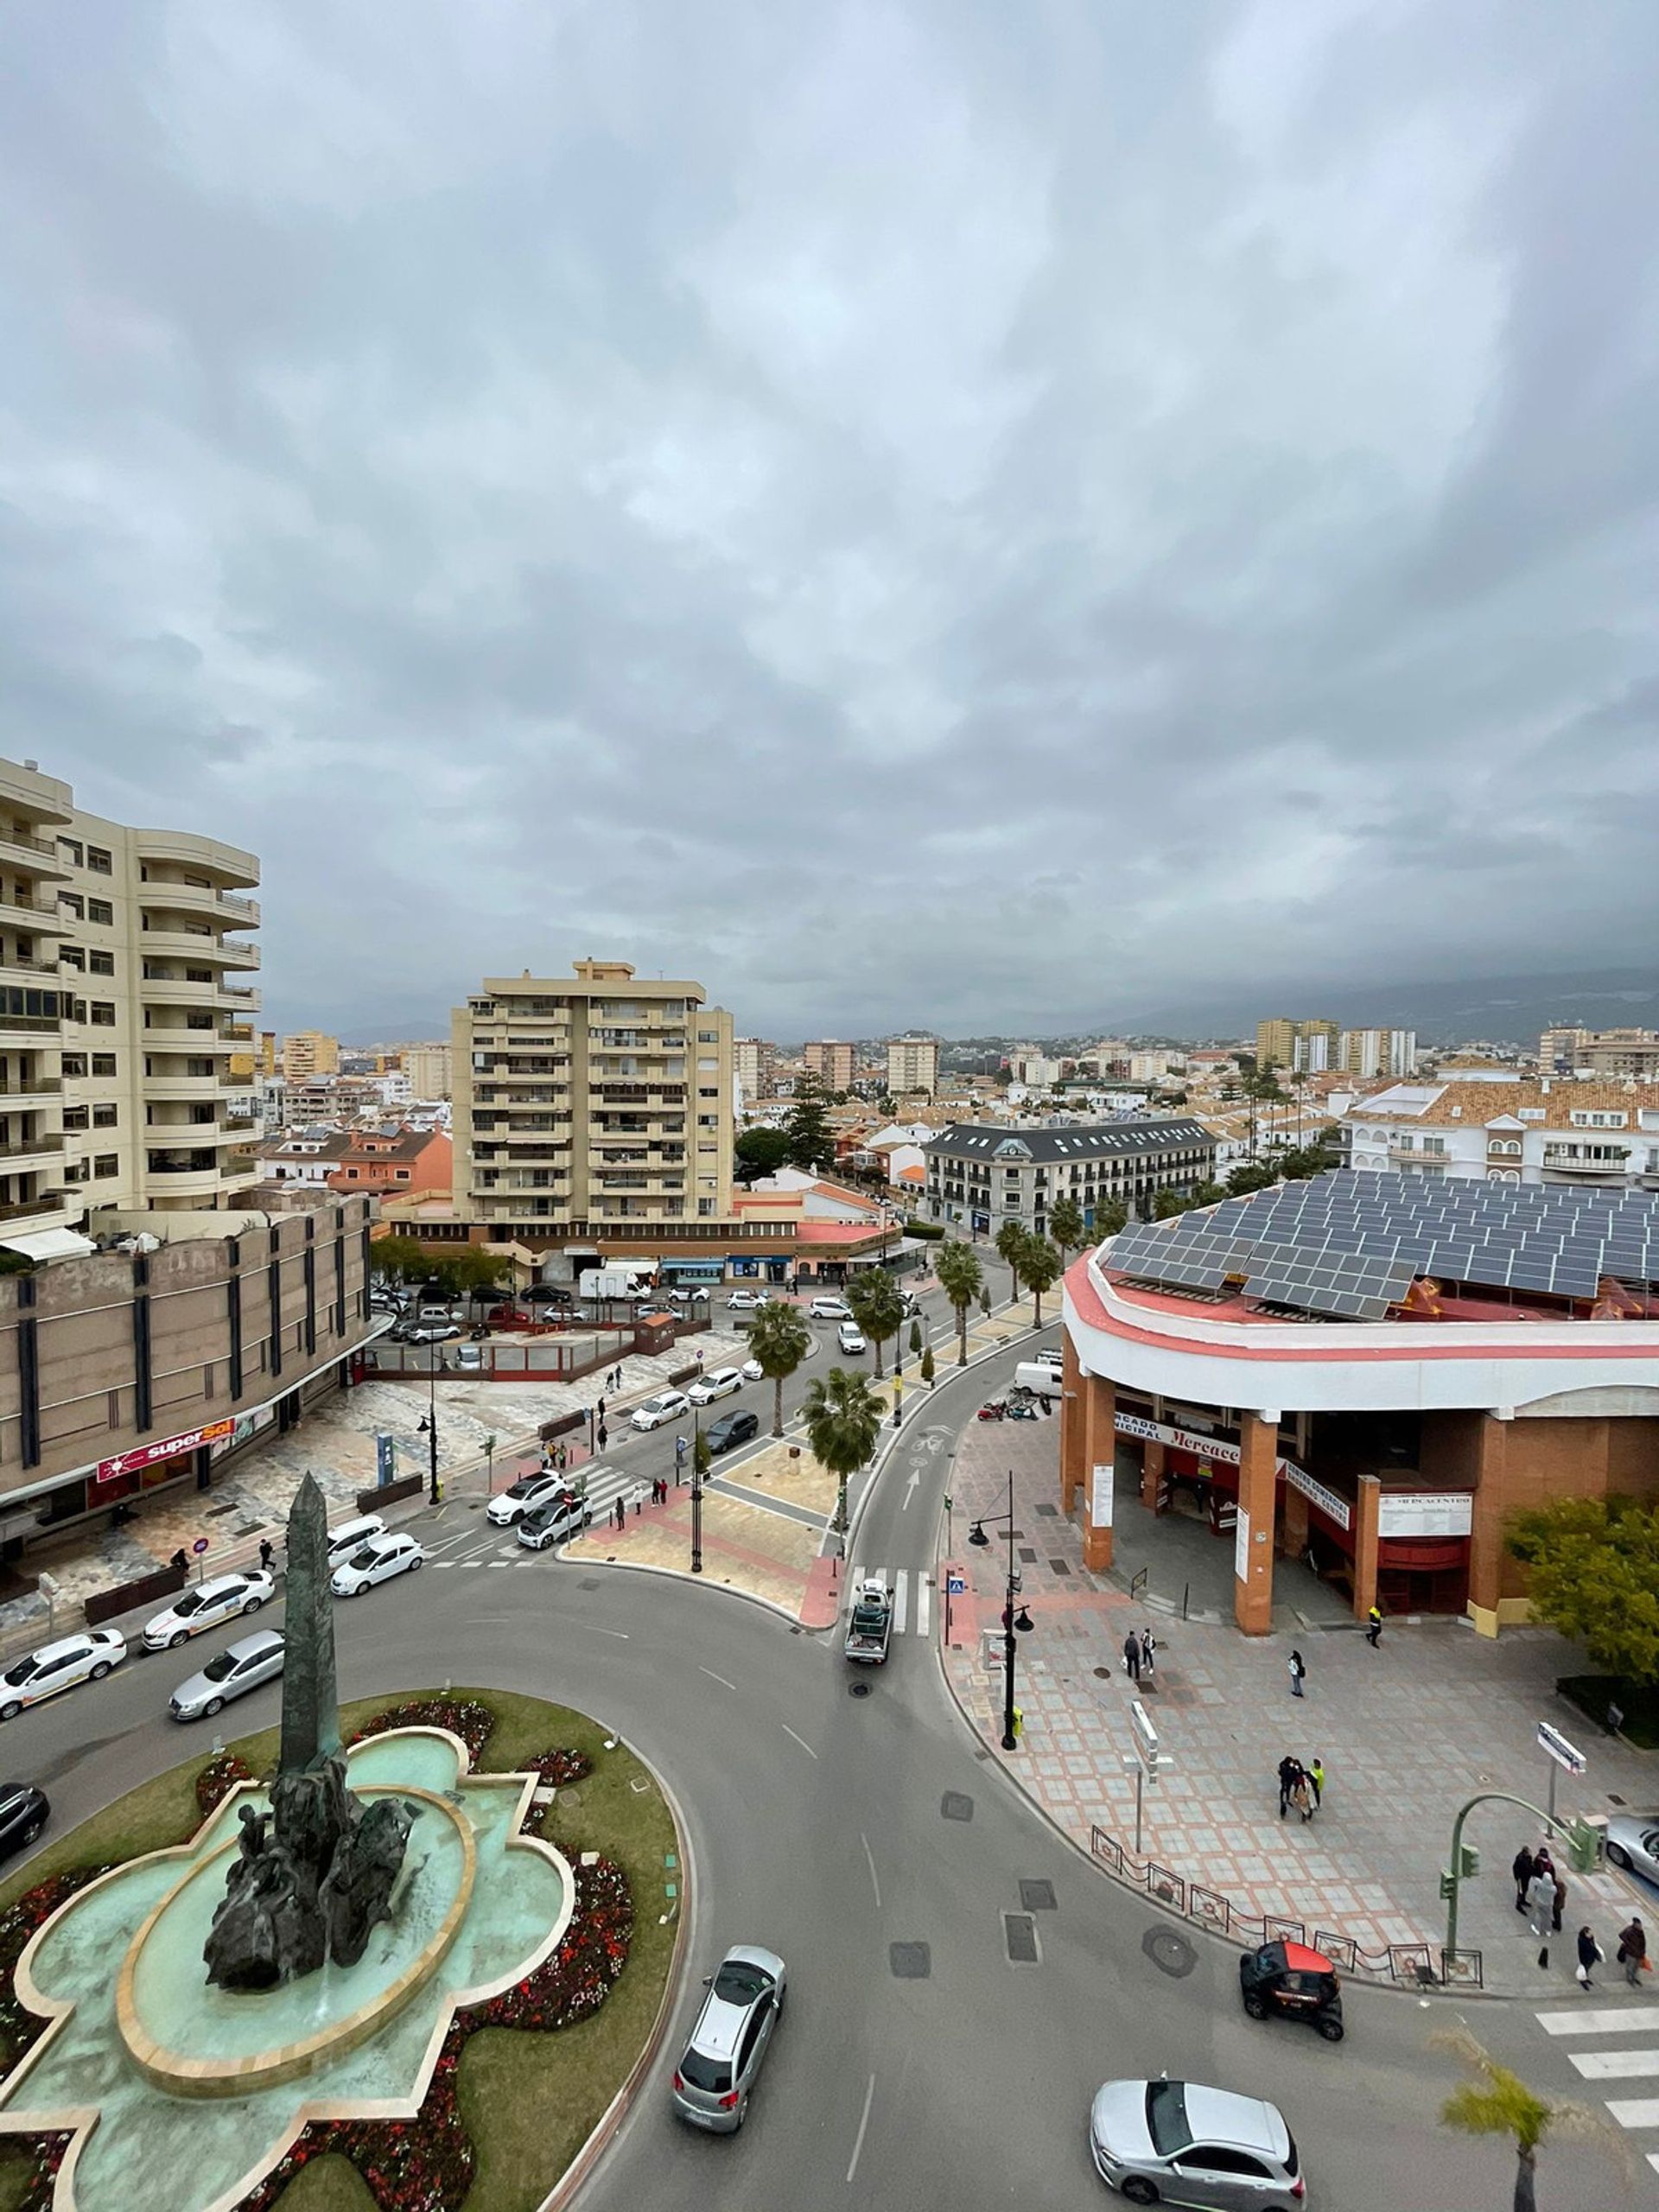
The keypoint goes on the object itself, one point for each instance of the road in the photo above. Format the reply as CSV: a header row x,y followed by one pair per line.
x,y
834,1829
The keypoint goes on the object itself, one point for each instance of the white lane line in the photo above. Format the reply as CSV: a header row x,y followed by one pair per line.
x,y
900,1602
621,1634
1631,2019
714,1677
869,2099
443,1562
801,1740
870,1856
1614,2065
1634,2112
924,1602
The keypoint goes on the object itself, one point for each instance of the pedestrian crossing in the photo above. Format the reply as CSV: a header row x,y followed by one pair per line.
x,y
911,1616
1637,2060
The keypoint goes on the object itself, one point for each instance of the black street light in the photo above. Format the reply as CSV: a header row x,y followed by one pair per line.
x,y
696,1494
1011,1620
429,1426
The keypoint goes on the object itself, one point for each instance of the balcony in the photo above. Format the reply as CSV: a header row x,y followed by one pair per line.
x,y
201,856
205,947
39,915
33,971
1575,1159
43,1203
43,1148
33,1086
1408,1155
38,854
158,897
29,1024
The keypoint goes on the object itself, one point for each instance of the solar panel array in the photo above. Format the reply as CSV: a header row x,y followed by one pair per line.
x,y
1350,1244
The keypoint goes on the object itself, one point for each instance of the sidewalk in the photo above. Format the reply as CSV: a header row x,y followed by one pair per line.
x,y
1407,1732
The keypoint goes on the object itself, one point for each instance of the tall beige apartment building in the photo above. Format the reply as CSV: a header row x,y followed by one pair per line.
x,y
831,1061
1310,1043
307,1054
120,1015
591,1099
753,1059
912,1064
431,1069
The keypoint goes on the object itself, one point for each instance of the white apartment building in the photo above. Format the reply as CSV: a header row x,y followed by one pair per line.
x,y
590,1099
1035,1069
119,1018
1369,1053
912,1064
431,1069
752,1059
1596,1135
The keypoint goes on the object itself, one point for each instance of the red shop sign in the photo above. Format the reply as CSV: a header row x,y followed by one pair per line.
x,y
146,1455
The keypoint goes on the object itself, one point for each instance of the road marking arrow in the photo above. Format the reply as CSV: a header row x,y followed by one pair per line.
x,y
910,1489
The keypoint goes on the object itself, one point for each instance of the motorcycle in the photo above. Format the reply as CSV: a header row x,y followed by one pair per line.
x,y
1023,1412
997,1410
480,1334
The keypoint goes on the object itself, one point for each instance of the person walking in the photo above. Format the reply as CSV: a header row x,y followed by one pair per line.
x,y
1132,1656
1147,1647
1560,1902
599,1413
604,1436
1374,1628
1633,1951
1301,1796
1297,1672
587,1516
1524,1867
178,1560
266,1553
1316,1776
1590,1957
1289,1769
1540,1904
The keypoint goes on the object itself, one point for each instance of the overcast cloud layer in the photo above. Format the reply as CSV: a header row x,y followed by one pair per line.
x,y
926,510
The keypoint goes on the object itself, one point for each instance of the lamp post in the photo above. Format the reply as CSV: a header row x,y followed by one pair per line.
x,y
429,1425
1011,1620
696,1493
897,1400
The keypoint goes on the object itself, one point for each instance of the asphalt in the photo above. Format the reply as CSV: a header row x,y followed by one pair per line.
x,y
833,1828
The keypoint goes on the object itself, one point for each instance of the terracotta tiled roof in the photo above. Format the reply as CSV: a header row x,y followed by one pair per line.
x,y
1476,1104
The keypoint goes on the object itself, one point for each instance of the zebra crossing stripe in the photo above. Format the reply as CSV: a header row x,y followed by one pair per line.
x,y
900,1604
1634,2112
924,1605
1615,2065
1624,2020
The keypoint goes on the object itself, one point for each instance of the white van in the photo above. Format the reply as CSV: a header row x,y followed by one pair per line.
x,y
1032,1375
344,1540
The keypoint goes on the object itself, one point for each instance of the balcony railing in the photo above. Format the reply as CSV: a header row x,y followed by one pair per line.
x,y
28,1146
24,1088
26,1209
1613,1162
20,841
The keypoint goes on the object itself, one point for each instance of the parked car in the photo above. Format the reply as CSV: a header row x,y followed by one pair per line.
x,y
554,1521
1633,1842
850,1338
667,1405
86,1658
732,1428
427,1332
752,1371
515,1317
718,1383
241,1667
831,1309
727,2046
1179,2142
24,1811
204,1605
527,1492
688,1296
351,1535
378,1560
746,1301
469,1359
549,1293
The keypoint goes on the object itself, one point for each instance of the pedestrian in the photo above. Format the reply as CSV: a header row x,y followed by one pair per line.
x,y
621,1515
1316,1776
1560,1902
1590,1957
561,1459
1540,1904
697,1356
587,1516
1374,1628
1633,1951
1301,1796
1147,1647
1288,1771
604,1436
1298,1672
1132,1656
266,1553
1523,1867
639,1499
178,1560
599,1413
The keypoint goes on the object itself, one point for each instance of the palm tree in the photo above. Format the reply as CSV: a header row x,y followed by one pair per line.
x,y
1065,1227
1040,1263
1111,1219
877,1307
1502,2104
779,1340
1010,1241
961,1279
843,1418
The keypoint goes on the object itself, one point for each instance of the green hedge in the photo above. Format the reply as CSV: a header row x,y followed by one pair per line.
x,y
932,1230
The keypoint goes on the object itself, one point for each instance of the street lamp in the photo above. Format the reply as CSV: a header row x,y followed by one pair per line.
x,y
696,1493
1011,1620
429,1426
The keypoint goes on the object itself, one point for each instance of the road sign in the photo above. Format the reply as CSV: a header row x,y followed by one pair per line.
x,y
1554,1745
1145,1735
956,1585
200,1546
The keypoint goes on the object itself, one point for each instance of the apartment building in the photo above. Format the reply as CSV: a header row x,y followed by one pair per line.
x,y
912,1064
431,1069
982,1174
831,1061
1369,1053
1552,1130
120,1019
1600,1052
752,1060
589,1100
309,1054
1309,1043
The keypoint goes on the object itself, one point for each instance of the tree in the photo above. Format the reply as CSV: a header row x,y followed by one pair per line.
x,y
915,1339
399,1258
1595,1577
1500,2103
779,1340
1111,1219
1066,1226
878,1307
761,1152
1166,1203
810,1145
843,1418
475,1266
1250,1175
703,1452
1010,1241
961,1279
927,1365
1040,1263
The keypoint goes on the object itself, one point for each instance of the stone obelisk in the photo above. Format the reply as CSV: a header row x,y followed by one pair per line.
x,y
311,1698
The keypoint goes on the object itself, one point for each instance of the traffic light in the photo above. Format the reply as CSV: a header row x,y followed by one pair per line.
x,y
1468,1859
1583,1847
1448,1885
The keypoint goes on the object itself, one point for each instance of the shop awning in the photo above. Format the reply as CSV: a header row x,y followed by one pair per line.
x,y
50,1244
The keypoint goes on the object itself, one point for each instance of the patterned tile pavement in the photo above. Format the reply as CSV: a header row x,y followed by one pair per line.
x,y
1407,1733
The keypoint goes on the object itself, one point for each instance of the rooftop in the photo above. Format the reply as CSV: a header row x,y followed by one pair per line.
x,y
1002,1140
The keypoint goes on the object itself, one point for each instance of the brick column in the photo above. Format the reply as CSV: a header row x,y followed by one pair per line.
x,y
1292,1537
1102,1433
1073,1424
1366,1506
1152,1475
1258,1437
1487,1535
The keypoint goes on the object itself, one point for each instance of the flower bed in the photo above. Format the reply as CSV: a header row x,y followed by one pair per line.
x,y
218,1778
462,1717
560,1768
583,1972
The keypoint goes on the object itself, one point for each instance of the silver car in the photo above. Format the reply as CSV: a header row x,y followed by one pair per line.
x,y
239,1667
1179,2143
1633,1842
727,2047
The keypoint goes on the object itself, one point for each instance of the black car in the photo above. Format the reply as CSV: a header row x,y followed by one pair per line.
x,y
23,1813
548,1293
732,1428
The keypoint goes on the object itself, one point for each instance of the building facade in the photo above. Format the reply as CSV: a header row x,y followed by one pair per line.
x,y
1553,1130
982,1174
431,1069
912,1064
832,1061
309,1054
752,1059
1600,1052
1369,1053
1296,1043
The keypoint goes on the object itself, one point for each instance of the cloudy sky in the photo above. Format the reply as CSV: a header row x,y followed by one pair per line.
x,y
904,510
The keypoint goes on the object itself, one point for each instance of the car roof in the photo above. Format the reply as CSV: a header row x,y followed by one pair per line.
x,y
262,1639
56,1650
1222,2116
11,1792
220,1581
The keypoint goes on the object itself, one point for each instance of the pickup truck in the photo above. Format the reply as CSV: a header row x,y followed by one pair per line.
x,y
870,1627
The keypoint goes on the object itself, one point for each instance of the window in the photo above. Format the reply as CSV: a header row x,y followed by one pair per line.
x,y
71,851
99,860
103,1014
105,1117
99,910
75,1118
103,1063
101,963
71,956
708,1036
75,1065
705,1207
72,903
712,1092
403,1174
107,1163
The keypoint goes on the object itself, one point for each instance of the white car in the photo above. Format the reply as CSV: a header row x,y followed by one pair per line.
x,y
718,1383
831,1309
555,1523
53,1667
430,1332
850,1338
527,1492
752,1371
746,1301
207,1603
377,1561
667,1405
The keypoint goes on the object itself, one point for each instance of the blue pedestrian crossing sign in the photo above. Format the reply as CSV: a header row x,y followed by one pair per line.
x,y
956,1585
